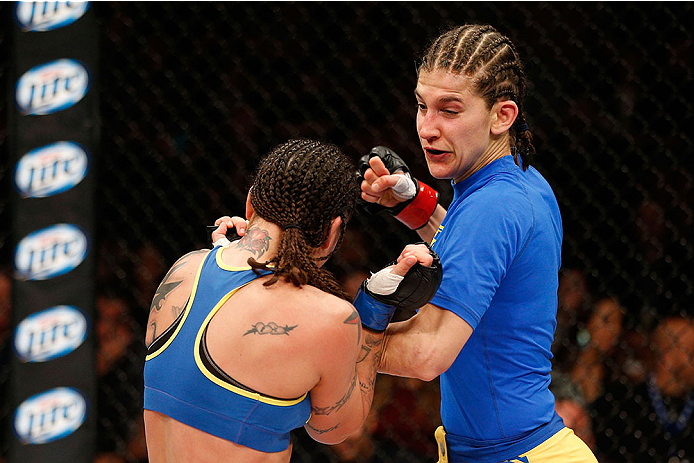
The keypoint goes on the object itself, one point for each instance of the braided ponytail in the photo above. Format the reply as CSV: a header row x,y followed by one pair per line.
x,y
301,186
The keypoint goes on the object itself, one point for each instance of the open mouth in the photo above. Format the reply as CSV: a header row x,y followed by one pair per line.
x,y
434,152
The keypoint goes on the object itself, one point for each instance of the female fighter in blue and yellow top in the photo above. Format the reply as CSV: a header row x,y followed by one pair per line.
x,y
253,339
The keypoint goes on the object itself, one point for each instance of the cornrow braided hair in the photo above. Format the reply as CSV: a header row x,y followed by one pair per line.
x,y
301,186
491,61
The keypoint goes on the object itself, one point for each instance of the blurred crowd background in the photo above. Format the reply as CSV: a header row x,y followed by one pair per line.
x,y
192,94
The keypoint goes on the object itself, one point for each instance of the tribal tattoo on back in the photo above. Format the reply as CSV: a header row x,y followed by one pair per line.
x,y
270,328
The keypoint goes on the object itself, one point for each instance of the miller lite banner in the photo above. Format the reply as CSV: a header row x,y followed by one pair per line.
x,y
53,140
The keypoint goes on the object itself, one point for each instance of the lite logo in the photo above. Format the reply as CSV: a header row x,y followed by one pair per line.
x,y
50,252
51,87
51,333
50,415
46,16
51,169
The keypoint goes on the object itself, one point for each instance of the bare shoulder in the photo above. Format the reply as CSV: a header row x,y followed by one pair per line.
x,y
333,310
173,293
323,319
188,264
335,324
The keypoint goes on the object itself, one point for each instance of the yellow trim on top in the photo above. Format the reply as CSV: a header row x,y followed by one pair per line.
x,y
227,386
185,315
224,266
433,240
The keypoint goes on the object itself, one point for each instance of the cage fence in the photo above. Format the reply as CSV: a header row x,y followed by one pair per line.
x,y
192,94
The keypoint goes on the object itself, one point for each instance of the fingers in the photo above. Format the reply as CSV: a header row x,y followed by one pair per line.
x,y
239,223
378,167
220,232
419,252
403,265
378,183
222,219
379,189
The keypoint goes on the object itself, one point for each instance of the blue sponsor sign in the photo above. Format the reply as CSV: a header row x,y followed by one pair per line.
x,y
50,252
50,169
50,415
49,334
46,16
51,87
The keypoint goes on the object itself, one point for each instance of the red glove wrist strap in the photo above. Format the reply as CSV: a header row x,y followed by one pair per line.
x,y
417,213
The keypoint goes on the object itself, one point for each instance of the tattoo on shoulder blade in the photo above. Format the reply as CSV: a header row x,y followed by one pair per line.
x,y
270,328
255,240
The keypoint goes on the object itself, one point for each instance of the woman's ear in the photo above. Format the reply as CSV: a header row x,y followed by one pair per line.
x,y
334,235
504,114
249,207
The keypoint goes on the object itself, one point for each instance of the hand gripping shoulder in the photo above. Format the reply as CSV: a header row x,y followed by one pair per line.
x,y
415,290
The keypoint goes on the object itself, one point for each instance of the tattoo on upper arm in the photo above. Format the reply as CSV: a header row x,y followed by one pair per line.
x,y
166,286
162,291
255,240
371,344
363,353
270,328
353,319
322,431
339,404
153,327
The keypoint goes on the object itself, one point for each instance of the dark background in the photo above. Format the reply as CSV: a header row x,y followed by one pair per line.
x,y
193,93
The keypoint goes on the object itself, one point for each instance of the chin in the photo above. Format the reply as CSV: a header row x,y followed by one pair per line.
x,y
439,171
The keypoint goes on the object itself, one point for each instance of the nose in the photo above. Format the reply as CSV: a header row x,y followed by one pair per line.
x,y
427,126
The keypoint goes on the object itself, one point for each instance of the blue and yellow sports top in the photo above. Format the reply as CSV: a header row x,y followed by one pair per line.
x,y
500,248
184,383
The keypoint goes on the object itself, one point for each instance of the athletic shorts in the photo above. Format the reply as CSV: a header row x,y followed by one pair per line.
x,y
562,447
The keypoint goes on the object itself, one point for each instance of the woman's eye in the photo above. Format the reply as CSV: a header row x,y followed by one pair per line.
x,y
449,112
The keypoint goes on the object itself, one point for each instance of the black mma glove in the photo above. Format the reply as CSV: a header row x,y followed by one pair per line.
x,y
419,199
417,288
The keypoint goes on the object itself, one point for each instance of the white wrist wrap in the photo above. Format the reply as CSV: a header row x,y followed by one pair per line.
x,y
221,242
383,282
405,188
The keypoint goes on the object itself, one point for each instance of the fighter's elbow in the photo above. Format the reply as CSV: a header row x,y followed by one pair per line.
x,y
431,364
329,440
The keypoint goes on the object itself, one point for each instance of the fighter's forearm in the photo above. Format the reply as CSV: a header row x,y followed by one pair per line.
x,y
428,231
425,345
404,352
